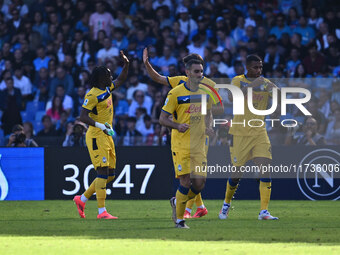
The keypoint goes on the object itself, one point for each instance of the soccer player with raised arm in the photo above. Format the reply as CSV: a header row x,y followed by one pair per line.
x,y
250,143
173,82
97,112
188,138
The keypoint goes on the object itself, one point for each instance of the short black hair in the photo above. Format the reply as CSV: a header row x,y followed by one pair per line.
x,y
192,56
251,58
99,76
192,62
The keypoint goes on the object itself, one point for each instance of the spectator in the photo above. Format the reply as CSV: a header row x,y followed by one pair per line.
x,y
310,134
64,79
11,105
119,40
19,139
131,137
28,131
107,52
140,100
147,128
66,99
322,40
314,62
333,129
307,33
187,24
23,83
280,27
62,123
293,62
75,135
40,26
100,20
48,129
42,85
166,60
314,19
154,139
135,85
55,111
41,61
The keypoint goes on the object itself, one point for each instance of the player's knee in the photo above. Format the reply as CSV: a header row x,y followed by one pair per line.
x,y
262,161
185,181
198,184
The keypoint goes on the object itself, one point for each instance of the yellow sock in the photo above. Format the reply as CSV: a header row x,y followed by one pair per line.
x,y
190,203
198,200
90,191
181,199
110,179
192,193
230,191
101,191
265,191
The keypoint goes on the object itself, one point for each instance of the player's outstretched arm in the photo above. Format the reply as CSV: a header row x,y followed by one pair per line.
x,y
156,77
164,120
123,74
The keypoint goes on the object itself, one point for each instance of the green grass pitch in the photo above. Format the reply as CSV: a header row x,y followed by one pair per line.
x,y
145,227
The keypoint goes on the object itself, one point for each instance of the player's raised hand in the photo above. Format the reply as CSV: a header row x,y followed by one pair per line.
x,y
183,127
145,55
125,59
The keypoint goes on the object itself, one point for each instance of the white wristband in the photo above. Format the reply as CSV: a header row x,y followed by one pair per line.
x,y
100,125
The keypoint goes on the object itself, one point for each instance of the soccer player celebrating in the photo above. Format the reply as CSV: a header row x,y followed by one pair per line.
x,y
250,143
97,112
188,138
173,82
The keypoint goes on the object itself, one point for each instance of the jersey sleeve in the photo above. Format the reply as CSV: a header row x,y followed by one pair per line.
x,y
236,82
176,80
270,93
209,103
90,101
112,87
170,103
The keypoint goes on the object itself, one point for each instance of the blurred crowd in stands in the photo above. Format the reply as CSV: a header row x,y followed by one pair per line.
x,y
49,48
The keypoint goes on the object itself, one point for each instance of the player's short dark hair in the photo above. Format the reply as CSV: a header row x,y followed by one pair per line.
x,y
192,56
192,62
251,58
99,76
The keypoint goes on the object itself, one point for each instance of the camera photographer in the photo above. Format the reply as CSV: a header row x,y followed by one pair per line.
x,y
18,138
75,134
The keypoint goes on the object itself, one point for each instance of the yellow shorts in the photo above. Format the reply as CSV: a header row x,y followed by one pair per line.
x,y
245,148
101,150
189,163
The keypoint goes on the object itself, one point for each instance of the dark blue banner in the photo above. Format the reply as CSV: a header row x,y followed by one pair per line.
x,y
22,174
